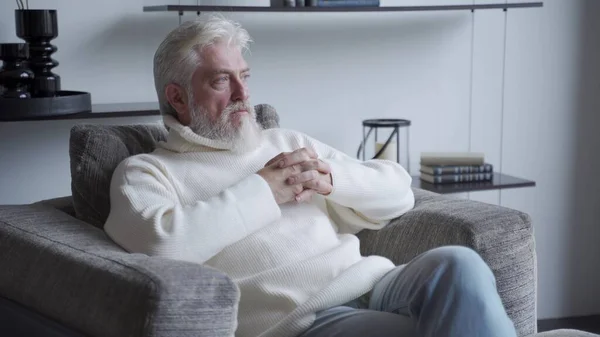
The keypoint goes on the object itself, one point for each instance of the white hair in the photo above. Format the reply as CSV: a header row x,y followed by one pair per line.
x,y
179,54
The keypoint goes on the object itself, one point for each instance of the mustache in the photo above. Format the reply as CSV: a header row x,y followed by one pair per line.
x,y
238,106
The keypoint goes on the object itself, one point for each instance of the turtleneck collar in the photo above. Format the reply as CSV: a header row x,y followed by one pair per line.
x,y
182,139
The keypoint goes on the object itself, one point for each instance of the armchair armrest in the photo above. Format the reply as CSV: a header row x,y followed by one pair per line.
x,y
72,273
63,204
503,237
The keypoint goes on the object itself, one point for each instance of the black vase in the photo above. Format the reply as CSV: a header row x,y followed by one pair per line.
x,y
14,75
38,27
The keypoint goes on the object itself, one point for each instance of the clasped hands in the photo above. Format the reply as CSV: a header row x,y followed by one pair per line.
x,y
297,176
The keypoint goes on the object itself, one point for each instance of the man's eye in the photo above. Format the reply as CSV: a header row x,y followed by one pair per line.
x,y
221,79
245,77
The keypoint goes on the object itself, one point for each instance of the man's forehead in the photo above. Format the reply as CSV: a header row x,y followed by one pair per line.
x,y
220,56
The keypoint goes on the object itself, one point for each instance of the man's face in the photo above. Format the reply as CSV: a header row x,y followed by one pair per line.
x,y
217,105
221,81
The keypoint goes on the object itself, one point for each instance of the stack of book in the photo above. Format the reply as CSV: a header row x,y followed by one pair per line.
x,y
342,3
454,167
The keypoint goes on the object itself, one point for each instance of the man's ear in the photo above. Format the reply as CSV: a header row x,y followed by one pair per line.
x,y
178,99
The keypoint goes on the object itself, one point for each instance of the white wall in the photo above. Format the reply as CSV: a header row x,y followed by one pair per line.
x,y
533,113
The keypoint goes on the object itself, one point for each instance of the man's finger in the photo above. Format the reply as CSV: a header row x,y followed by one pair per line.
x,y
319,186
276,158
303,177
297,157
305,195
311,164
324,167
316,164
310,152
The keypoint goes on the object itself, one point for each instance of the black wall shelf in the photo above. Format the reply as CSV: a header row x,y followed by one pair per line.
x,y
197,9
109,110
499,181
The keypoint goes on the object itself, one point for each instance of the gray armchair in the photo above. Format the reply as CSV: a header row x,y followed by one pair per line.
x,y
60,275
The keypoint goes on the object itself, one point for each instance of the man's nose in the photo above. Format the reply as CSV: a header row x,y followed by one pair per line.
x,y
240,91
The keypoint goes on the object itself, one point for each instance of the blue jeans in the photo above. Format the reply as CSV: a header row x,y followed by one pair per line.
x,y
445,292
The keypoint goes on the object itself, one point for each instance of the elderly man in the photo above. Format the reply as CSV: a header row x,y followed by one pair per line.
x,y
277,211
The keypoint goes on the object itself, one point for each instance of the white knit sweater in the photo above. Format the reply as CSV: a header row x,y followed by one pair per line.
x,y
192,199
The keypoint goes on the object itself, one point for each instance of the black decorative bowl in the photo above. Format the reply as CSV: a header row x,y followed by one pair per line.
x,y
64,103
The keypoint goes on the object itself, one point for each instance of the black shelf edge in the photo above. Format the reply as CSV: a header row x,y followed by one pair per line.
x,y
499,181
108,110
191,8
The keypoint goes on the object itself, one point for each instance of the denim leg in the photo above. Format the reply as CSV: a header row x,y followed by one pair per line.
x,y
448,292
344,321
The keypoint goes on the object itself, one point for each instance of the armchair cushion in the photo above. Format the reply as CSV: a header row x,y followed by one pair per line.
x,y
95,151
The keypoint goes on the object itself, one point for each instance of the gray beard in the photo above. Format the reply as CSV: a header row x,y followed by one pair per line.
x,y
241,139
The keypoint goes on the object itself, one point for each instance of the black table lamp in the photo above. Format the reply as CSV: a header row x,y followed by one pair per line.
x,y
390,148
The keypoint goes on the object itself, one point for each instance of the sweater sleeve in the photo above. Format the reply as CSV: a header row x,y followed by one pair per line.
x,y
366,194
147,217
